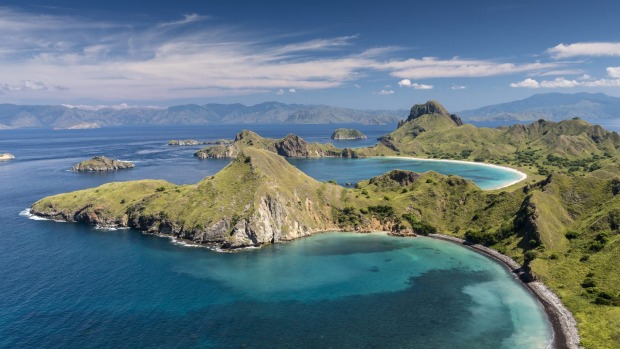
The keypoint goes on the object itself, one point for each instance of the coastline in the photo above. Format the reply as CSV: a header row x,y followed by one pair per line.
x,y
563,324
565,333
522,175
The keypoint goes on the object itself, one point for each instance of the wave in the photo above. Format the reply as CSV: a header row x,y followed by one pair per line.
x,y
26,213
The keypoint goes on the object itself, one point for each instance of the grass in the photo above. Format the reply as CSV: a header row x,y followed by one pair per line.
x,y
564,222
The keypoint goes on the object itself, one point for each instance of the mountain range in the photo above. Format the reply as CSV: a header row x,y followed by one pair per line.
x,y
549,106
67,117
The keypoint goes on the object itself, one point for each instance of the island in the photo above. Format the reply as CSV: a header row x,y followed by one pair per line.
x,y
102,163
561,228
347,134
6,156
189,142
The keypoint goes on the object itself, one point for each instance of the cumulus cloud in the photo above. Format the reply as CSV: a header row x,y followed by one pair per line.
x,y
458,87
291,90
529,83
613,72
280,92
414,85
595,49
385,92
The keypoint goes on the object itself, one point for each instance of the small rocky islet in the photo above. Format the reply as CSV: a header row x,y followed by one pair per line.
x,y
343,134
102,163
190,142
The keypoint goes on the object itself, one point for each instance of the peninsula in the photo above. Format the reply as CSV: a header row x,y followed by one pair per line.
x,y
563,226
102,163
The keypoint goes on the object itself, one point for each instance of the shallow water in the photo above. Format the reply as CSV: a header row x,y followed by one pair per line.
x,y
70,285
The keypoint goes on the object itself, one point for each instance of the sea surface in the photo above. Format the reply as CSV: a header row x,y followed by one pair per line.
x,y
68,285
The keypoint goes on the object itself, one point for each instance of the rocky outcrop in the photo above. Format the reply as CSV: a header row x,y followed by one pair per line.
x,y
395,178
6,156
102,163
432,108
217,152
291,146
347,134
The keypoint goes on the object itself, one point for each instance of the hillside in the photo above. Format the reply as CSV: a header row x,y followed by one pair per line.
x,y
63,117
563,225
550,106
541,147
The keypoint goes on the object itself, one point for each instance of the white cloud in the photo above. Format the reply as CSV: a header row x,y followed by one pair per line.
x,y
122,61
613,72
458,87
385,92
562,72
595,49
565,83
291,90
431,67
414,85
24,86
280,92
529,83
188,18
559,82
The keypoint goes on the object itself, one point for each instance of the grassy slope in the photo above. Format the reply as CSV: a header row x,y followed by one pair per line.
x,y
528,223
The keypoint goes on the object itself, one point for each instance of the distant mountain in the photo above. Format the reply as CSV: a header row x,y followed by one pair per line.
x,y
64,117
550,106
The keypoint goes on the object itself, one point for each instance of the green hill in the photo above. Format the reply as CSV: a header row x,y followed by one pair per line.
x,y
564,226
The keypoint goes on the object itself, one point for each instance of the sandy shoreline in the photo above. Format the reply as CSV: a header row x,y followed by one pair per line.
x,y
565,334
521,175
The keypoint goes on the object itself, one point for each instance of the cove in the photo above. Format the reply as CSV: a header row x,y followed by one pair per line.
x,y
346,170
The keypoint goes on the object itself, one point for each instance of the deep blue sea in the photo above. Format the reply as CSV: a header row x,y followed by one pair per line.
x,y
66,285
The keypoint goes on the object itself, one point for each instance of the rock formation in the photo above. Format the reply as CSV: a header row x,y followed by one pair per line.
x,y
347,134
102,163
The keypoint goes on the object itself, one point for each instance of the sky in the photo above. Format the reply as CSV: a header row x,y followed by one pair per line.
x,y
358,54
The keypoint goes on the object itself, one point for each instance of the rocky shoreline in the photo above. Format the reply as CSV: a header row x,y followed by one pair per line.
x,y
566,335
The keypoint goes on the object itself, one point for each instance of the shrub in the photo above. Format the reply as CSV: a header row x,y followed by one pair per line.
x,y
571,235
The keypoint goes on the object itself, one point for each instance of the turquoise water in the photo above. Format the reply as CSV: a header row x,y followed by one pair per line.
x,y
67,285
354,170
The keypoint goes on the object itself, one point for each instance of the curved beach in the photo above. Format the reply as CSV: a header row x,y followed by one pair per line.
x,y
565,333
521,175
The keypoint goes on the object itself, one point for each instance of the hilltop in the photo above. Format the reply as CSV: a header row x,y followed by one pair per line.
x,y
550,106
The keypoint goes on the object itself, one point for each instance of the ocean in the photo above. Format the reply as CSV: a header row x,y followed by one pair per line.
x,y
69,285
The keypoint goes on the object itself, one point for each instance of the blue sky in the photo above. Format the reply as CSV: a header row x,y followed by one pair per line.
x,y
362,54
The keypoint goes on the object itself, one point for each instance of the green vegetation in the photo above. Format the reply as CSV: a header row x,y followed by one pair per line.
x,y
564,223
347,133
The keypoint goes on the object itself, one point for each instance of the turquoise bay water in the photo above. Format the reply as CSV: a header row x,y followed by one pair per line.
x,y
72,286
354,170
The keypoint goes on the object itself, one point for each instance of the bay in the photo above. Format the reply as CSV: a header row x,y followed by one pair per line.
x,y
73,286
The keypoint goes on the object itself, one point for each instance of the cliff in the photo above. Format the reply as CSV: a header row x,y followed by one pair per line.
x,y
102,163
